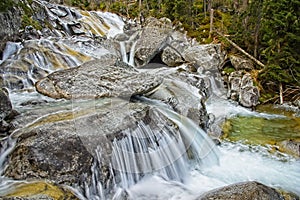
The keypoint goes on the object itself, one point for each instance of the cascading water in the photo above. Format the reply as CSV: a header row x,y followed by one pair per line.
x,y
129,60
146,163
7,145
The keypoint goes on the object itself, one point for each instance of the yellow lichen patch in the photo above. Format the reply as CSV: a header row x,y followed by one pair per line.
x,y
38,189
92,26
56,117
79,56
55,62
85,13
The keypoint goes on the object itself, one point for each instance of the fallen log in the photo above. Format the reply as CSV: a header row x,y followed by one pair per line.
x,y
241,50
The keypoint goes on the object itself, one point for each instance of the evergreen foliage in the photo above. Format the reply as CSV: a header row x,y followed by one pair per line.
x,y
6,5
281,42
267,29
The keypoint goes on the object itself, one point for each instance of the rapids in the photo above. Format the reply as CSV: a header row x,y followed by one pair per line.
x,y
181,162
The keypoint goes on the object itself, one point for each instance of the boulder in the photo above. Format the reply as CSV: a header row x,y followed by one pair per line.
x,y
186,94
38,190
75,142
6,111
5,104
241,88
152,39
248,96
171,57
241,63
105,77
209,57
10,24
246,191
290,146
48,55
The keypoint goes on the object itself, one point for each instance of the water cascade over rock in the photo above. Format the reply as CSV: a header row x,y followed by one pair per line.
x,y
114,110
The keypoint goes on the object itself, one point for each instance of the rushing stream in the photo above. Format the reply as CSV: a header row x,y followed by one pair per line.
x,y
169,157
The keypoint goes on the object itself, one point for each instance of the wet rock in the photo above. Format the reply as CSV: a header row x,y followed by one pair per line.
x,y
37,191
61,142
248,96
245,190
171,57
240,63
184,94
152,39
98,78
241,88
209,57
37,58
291,147
5,104
10,23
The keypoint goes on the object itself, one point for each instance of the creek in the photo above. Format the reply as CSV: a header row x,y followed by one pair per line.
x,y
160,152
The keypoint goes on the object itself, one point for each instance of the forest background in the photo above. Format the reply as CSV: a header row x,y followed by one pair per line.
x,y
269,30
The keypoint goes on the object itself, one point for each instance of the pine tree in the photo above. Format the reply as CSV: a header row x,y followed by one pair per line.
x,y
281,42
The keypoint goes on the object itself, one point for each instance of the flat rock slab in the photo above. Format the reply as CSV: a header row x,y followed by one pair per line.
x,y
105,77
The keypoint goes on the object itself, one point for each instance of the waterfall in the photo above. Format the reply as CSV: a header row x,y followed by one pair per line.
x,y
7,145
144,151
123,51
124,55
165,152
10,49
132,52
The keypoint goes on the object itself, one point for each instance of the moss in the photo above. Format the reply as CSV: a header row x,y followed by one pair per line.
x,y
40,190
29,21
5,5
228,69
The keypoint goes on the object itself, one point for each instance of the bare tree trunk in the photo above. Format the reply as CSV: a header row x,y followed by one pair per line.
x,y
256,35
245,4
280,93
211,22
235,5
209,7
204,6
140,12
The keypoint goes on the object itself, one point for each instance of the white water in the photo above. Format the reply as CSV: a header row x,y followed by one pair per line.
x,y
238,163
143,152
129,60
10,49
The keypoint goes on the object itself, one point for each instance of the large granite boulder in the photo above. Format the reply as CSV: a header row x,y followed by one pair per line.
x,y
106,77
208,57
241,88
76,142
186,94
243,191
152,39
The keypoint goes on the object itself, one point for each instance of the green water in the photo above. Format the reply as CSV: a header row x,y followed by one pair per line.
x,y
263,131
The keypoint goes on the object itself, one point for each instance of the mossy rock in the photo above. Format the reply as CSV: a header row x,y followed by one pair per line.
x,y
39,190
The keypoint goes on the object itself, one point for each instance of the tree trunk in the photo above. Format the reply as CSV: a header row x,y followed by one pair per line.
x,y
211,22
280,93
204,8
256,32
